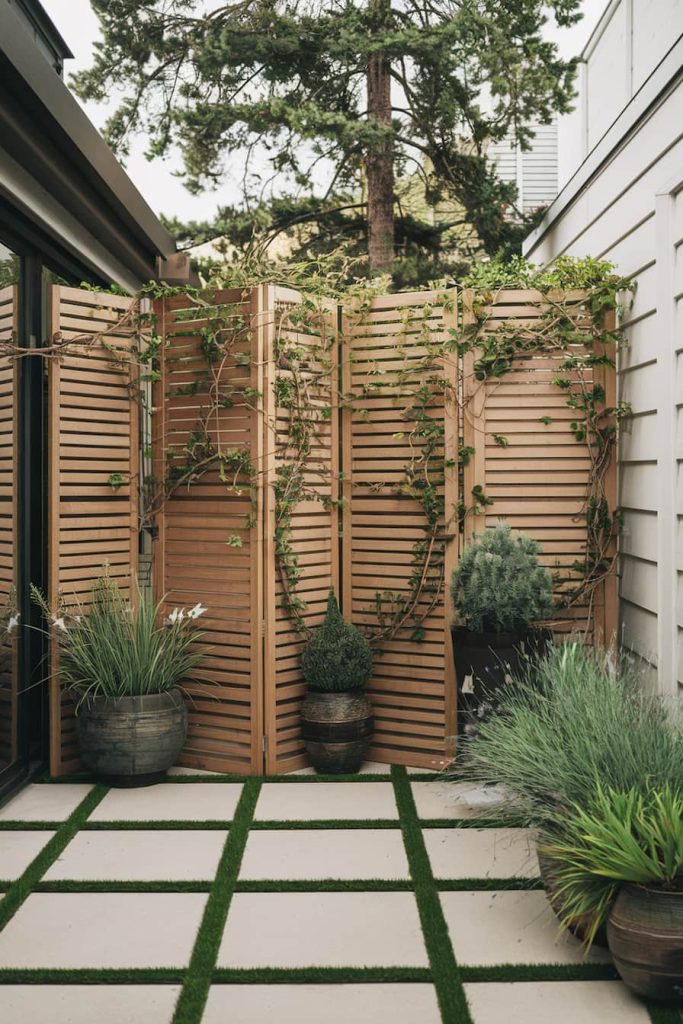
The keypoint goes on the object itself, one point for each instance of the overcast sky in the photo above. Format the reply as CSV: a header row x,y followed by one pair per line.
x,y
163,191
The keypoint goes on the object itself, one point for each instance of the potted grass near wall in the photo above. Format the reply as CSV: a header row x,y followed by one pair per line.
x,y
578,721
499,593
123,666
336,717
619,862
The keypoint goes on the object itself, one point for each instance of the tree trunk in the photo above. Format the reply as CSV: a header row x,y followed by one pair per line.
x,y
379,170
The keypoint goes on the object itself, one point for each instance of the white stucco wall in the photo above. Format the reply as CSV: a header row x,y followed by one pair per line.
x,y
625,204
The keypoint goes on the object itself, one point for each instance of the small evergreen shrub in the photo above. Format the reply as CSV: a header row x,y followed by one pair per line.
x,y
337,657
499,587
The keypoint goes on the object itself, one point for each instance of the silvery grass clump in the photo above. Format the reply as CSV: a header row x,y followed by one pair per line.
x,y
577,721
112,648
499,586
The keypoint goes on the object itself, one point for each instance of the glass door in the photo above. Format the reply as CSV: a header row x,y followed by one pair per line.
x,y
11,741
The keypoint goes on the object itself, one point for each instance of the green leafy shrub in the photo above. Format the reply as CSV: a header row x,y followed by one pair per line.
x,y
577,722
498,586
337,657
620,837
112,649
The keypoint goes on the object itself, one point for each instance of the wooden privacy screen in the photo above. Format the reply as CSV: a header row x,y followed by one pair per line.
x,y
536,478
225,370
253,663
93,471
193,559
413,684
314,527
8,529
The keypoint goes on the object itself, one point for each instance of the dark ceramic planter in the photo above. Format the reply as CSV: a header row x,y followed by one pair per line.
x,y
490,659
337,730
132,741
645,936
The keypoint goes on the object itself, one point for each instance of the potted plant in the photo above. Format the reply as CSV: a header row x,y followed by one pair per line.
x,y
337,717
620,861
499,592
123,667
579,718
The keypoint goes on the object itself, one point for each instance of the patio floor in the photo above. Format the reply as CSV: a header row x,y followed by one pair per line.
x,y
393,898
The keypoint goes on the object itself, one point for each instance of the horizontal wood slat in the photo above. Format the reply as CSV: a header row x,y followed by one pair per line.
x,y
193,559
92,525
413,684
314,526
537,479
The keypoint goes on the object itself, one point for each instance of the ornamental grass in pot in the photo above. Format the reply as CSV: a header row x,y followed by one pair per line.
x,y
619,862
337,720
123,665
499,593
579,719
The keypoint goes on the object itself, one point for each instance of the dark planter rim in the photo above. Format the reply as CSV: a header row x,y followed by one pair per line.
x,y
472,638
336,693
139,703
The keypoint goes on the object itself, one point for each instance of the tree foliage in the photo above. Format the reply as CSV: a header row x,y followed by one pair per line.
x,y
337,657
283,85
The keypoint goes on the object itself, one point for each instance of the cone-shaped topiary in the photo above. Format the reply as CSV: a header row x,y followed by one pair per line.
x,y
337,657
499,587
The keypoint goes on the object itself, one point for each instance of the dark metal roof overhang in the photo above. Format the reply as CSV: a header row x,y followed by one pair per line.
x,y
56,170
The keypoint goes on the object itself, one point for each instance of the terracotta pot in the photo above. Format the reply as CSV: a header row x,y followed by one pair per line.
x,y
132,741
645,936
580,925
337,730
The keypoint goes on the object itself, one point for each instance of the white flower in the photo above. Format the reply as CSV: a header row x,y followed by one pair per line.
x,y
177,615
198,610
59,623
77,618
13,622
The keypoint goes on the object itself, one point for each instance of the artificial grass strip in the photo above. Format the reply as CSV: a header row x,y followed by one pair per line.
x,y
487,884
660,1013
21,889
257,885
323,823
167,825
91,976
445,972
539,972
480,823
29,826
74,885
190,1006
325,885
319,975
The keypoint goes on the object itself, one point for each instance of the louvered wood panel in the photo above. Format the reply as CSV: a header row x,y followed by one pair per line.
x,y
314,536
194,560
8,529
413,684
535,473
93,435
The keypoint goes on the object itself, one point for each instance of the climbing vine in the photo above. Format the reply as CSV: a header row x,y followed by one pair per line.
x,y
433,370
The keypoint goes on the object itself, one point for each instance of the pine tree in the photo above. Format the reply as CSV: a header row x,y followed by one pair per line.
x,y
359,88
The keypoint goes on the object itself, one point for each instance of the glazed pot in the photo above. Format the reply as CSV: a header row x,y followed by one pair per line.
x,y
132,741
337,730
490,659
645,936
581,923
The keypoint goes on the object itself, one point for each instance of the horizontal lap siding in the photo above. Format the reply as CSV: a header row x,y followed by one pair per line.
x,y
93,430
314,536
193,559
413,685
8,526
615,218
534,474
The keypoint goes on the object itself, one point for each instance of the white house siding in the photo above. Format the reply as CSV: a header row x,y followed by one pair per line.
x,y
629,210
534,171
